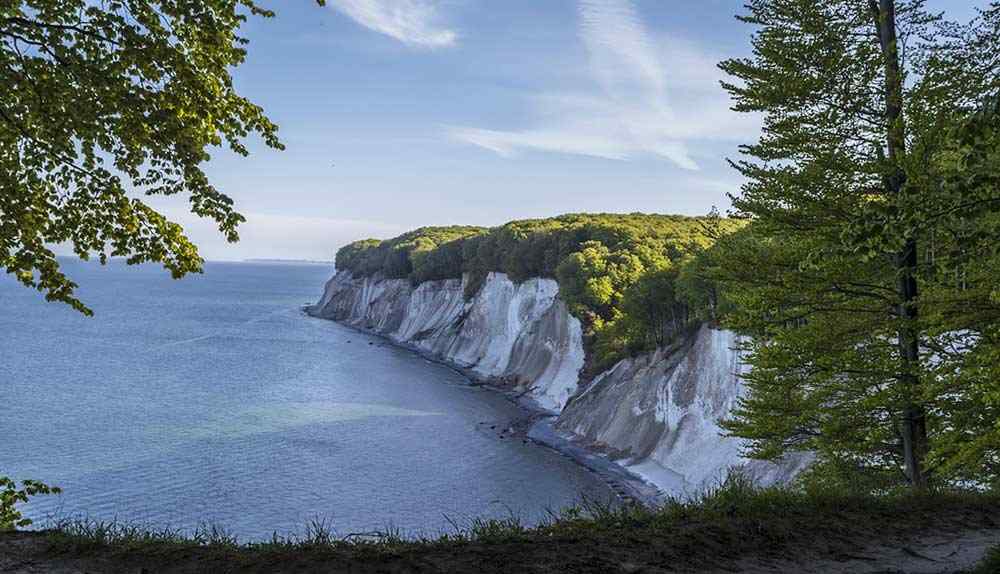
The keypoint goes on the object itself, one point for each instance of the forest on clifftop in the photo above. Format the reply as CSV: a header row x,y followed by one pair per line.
x,y
630,278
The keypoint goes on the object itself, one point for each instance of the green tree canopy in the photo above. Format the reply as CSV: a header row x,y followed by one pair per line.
x,y
102,103
870,201
611,268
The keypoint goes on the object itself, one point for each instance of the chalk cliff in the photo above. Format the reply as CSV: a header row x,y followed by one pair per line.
x,y
517,334
656,413
659,414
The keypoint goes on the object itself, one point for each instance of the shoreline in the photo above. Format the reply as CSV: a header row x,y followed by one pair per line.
x,y
623,483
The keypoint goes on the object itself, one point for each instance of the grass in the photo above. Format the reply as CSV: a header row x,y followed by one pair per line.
x,y
732,521
990,564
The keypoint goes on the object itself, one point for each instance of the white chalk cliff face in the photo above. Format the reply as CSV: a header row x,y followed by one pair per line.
x,y
518,334
657,413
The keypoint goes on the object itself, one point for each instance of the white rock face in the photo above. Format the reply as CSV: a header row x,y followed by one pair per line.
x,y
657,413
517,333
660,413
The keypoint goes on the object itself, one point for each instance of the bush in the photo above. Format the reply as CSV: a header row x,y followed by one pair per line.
x,y
11,496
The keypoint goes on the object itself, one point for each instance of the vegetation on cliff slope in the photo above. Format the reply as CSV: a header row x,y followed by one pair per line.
x,y
620,274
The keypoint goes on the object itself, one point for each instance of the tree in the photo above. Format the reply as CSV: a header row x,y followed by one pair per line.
x,y
101,103
652,305
843,194
965,335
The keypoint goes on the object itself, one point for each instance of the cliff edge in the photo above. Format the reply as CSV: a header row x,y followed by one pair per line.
x,y
656,414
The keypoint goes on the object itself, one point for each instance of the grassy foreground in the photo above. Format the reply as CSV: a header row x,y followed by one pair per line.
x,y
719,531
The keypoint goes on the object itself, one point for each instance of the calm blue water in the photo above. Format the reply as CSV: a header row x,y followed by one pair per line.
x,y
214,400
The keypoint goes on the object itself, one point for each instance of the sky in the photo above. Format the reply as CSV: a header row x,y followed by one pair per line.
x,y
402,113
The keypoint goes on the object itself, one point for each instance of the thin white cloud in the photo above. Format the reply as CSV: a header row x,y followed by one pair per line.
x,y
413,22
621,54
627,112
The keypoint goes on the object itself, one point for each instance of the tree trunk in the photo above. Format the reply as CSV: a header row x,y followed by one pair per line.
x,y
913,424
913,427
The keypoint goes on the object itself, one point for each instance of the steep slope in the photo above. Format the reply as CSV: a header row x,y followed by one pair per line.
x,y
656,413
514,334
659,413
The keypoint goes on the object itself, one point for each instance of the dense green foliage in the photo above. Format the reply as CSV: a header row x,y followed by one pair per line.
x,y
11,495
106,101
616,272
428,252
866,280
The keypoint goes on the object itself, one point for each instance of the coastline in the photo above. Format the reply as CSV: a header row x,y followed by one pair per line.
x,y
537,427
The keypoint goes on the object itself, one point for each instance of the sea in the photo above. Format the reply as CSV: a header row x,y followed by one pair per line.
x,y
214,401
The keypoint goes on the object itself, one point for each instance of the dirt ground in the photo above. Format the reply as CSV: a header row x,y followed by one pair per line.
x,y
952,551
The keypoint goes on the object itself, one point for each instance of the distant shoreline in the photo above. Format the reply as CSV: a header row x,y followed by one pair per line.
x,y
288,261
116,259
